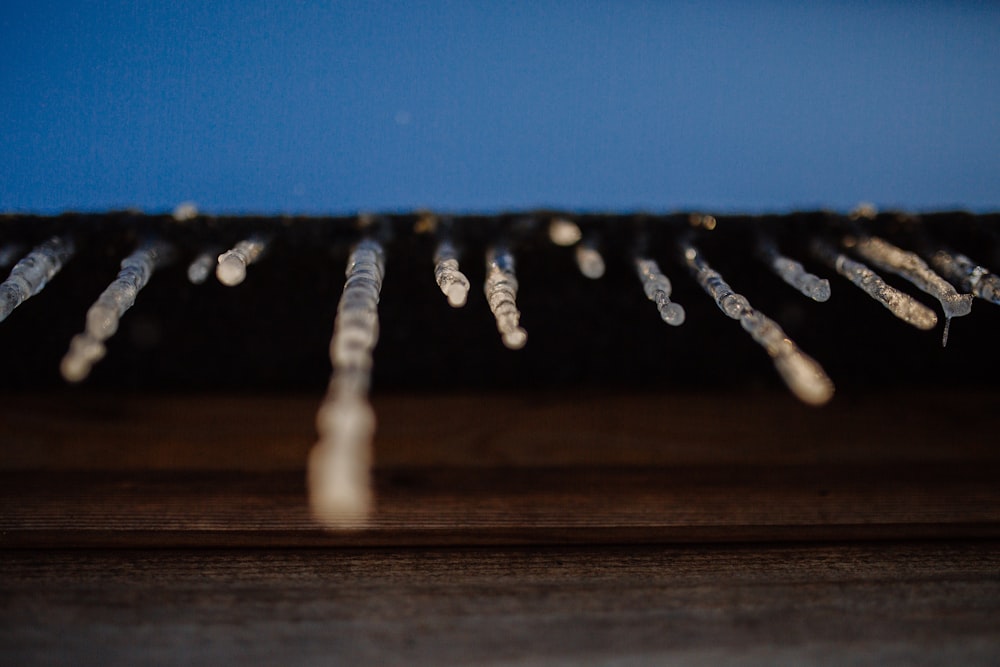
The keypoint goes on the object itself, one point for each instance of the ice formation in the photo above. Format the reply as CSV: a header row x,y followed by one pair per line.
x,y
900,304
792,272
232,268
340,463
971,277
658,289
909,266
452,282
801,373
501,294
30,275
87,348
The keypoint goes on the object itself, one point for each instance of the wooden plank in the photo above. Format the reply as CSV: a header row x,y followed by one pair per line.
x,y
473,505
905,603
85,431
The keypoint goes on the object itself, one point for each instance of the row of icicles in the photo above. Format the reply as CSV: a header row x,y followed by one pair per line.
x,y
340,463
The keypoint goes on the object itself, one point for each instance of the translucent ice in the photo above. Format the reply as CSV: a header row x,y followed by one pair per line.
x,y
900,304
801,373
340,463
30,275
969,275
658,289
103,318
501,294
232,268
731,303
792,272
910,266
453,283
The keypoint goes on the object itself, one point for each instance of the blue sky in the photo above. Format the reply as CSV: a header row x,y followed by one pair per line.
x,y
334,107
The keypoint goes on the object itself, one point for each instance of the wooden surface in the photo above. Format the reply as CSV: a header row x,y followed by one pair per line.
x,y
867,604
475,506
510,530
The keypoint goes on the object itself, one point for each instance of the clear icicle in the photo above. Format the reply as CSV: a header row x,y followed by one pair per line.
x,y
792,272
9,253
340,463
589,259
30,275
201,267
971,277
900,304
658,289
452,282
501,294
232,268
908,265
800,372
103,318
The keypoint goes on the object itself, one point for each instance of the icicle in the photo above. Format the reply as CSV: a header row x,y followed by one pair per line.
x,y
87,348
501,294
908,265
201,267
232,269
801,373
340,463
564,232
589,260
792,272
970,276
452,282
900,304
9,253
30,275
658,289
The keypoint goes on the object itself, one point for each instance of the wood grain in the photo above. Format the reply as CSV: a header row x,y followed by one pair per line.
x,y
87,431
866,604
420,506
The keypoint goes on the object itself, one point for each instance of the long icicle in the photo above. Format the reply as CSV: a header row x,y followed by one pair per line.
x,y
340,488
900,304
909,266
30,275
801,373
103,318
